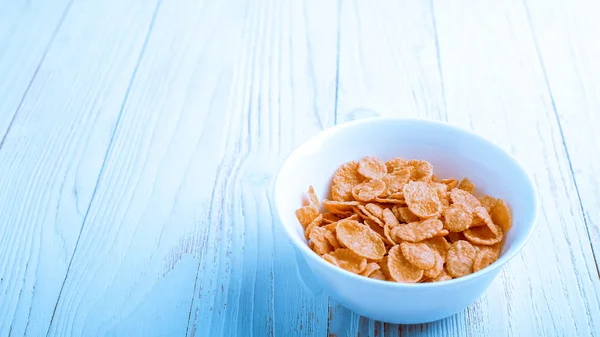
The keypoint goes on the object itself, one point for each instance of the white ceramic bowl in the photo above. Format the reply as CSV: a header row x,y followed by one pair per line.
x,y
454,152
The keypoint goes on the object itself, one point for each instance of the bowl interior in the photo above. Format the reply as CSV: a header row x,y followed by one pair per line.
x,y
454,153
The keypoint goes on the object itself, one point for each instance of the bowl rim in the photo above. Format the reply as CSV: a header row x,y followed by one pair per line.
x,y
328,132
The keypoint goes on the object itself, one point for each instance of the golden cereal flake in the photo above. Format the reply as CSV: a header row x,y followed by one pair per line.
x,y
483,235
419,254
417,231
306,214
420,170
317,237
467,185
422,199
370,268
360,238
315,223
344,180
400,269
349,260
460,258
484,258
372,168
457,218
464,198
368,190
437,268
501,215
487,202
395,164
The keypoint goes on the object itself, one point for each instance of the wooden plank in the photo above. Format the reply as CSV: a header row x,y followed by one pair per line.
x,y
27,28
288,84
494,84
566,38
182,220
53,154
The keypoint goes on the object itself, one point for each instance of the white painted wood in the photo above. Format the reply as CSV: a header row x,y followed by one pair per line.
x,y
566,36
181,226
54,152
494,83
27,28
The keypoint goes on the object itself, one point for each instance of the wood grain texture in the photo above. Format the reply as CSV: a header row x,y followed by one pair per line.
x,y
181,227
569,53
135,176
53,153
27,29
494,83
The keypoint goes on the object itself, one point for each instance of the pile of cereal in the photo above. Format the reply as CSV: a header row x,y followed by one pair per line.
x,y
396,221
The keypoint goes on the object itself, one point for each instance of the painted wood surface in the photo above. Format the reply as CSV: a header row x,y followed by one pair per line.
x,y
140,139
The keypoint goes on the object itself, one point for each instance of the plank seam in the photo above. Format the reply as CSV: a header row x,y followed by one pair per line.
x,y
337,62
439,58
562,135
110,144
35,72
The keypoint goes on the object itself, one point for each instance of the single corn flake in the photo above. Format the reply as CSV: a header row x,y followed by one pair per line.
x,y
487,202
377,275
420,170
442,192
484,218
417,231
312,196
378,229
370,268
317,237
460,258
395,164
439,244
344,180
457,218
437,268
306,214
484,258
450,183
365,214
349,260
395,181
400,269
406,215
419,254
483,235
375,209
330,259
443,276
383,266
501,215
390,221
339,207
368,190
467,185
315,223
443,232
464,198
372,168
422,199
360,238
332,239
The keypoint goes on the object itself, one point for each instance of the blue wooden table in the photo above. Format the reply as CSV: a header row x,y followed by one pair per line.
x,y
139,139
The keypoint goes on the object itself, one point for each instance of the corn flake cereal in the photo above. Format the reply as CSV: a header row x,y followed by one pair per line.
x,y
360,238
372,168
422,199
400,269
460,258
396,221
419,254
368,190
